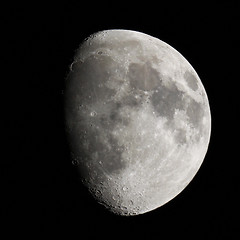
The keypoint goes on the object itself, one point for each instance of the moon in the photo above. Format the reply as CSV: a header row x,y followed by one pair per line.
x,y
137,119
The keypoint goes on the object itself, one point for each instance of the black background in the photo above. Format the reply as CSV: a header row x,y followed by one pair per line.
x,y
40,191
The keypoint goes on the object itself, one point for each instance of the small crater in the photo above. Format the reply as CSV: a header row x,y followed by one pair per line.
x,y
75,162
98,193
93,114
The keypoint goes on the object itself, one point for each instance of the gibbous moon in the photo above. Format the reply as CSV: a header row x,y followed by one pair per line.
x,y
137,118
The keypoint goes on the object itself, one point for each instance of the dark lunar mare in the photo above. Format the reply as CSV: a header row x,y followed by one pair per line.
x,y
191,80
143,76
100,88
166,100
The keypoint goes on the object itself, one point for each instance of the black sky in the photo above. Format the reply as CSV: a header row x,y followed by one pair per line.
x,y
40,192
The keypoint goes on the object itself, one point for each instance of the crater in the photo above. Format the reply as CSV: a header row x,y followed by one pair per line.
x,y
191,80
143,76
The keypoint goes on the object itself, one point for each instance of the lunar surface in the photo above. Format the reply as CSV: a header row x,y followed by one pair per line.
x,y
137,118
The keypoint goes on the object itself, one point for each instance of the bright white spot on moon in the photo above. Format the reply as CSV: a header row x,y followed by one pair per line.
x,y
138,120
92,114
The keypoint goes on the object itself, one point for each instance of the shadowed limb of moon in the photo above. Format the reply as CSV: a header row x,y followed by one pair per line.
x,y
137,118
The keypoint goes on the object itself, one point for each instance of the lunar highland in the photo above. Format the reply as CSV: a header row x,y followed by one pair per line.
x,y
137,118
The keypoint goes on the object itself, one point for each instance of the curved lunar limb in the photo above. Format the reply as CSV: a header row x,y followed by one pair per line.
x,y
137,118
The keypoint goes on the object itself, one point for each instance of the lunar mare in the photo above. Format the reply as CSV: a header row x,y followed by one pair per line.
x,y
137,118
